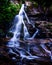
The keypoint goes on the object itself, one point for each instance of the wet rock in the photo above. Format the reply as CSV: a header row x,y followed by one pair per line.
x,y
30,28
12,55
10,34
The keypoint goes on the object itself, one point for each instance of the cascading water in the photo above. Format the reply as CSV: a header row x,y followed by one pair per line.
x,y
16,30
37,31
46,50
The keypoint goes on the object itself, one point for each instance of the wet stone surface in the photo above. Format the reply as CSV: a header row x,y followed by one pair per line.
x,y
30,51
22,56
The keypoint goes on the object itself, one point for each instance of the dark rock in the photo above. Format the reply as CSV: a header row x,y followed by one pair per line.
x,y
10,34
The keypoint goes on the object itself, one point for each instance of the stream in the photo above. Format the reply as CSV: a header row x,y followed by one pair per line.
x,y
24,52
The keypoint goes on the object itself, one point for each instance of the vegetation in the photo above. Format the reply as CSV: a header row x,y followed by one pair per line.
x,y
7,12
16,48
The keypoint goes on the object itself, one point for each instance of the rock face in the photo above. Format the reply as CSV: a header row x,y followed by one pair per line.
x,y
31,51
22,55
37,19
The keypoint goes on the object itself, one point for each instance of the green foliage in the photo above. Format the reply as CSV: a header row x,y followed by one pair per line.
x,y
7,12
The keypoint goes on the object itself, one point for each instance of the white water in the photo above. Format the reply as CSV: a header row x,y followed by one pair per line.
x,y
37,31
47,51
26,33
16,30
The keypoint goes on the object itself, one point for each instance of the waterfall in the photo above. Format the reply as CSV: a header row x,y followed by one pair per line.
x,y
37,31
16,30
17,27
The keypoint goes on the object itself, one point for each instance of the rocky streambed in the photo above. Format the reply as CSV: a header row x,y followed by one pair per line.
x,y
30,52
35,50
